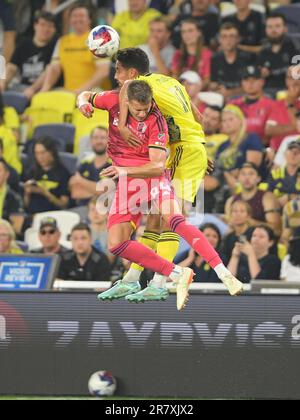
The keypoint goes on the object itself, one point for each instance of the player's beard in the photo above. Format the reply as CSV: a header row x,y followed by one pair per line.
x,y
100,152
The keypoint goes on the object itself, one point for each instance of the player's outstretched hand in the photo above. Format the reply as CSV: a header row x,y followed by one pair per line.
x,y
130,137
87,110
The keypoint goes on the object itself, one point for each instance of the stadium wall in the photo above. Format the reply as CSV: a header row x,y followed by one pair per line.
x,y
219,347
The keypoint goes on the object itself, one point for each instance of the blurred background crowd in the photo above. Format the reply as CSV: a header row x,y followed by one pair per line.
x,y
240,63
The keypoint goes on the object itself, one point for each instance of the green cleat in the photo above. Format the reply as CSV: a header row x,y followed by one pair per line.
x,y
120,290
151,293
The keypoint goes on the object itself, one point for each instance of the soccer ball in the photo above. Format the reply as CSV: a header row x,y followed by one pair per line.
x,y
102,384
104,41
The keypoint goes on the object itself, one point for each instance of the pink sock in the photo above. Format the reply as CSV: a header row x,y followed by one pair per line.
x,y
135,252
196,239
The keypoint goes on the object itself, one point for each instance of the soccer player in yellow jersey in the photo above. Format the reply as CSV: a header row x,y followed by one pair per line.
x,y
188,158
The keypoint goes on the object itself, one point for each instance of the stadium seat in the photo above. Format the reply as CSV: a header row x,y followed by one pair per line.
x,y
85,148
66,221
50,108
15,100
85,126
69,161
63,134
292,14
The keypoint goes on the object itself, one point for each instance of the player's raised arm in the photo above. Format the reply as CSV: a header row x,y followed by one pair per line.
x,y
84,103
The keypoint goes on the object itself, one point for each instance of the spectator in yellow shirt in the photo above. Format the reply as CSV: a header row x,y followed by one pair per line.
x,y
72,58
8,122
133,25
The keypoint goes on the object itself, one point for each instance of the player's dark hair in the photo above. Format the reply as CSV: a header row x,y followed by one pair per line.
x,y
81,227
140,91
47,16
277,15
294,251
134,58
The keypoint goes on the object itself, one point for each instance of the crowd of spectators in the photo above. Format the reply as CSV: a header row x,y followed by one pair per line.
x,y
239,62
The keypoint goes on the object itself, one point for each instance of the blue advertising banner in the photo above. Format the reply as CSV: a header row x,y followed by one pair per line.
x,y
27,272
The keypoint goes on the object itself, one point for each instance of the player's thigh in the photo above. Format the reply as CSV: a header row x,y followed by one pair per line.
x,y
119,233
168,209
154,223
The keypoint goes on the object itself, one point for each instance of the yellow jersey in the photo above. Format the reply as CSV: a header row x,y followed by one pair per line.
x,y
175,105
134,32
76,60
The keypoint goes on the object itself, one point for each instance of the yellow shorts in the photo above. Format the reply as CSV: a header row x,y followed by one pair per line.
x,y
188,164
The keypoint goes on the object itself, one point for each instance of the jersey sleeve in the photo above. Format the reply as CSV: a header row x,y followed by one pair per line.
x,y
158,132
103,100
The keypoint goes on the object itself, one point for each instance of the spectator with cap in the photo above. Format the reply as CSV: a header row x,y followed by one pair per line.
x,y
193,55
84,263
159,48
8,243
228,64
32,56
250,24
133,25
193,85
290,270
283,120
256,106
11,203
208,21
49,236
284,182
276,57
264,206
83,185
252,260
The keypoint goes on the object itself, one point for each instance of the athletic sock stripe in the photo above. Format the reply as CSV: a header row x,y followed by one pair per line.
x,y
176,221
120,249
169,240
153,237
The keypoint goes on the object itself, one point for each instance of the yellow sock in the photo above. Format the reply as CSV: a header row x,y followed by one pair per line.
x,y
168,245
150,240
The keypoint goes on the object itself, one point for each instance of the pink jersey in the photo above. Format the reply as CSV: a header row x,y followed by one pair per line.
x,y
257,114
153,132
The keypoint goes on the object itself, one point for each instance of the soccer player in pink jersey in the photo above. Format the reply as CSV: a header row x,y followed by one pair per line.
x,y
147,163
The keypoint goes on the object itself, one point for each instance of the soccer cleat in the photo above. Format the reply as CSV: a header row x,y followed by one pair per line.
x,y
151,293
182,285
234,286
120,290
